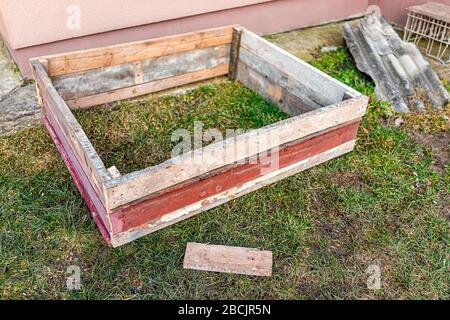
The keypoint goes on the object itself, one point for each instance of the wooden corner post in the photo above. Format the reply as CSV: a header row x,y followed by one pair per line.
x,y
234,52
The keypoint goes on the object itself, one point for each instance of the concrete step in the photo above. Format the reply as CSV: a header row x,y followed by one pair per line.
x,y
10,77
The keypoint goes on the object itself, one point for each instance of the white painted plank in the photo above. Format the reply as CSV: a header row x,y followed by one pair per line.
x,y
114,172
268,72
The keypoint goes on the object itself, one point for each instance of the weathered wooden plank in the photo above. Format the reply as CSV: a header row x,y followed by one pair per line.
x,y
223,197
238,260
234,52
147,88
273,91
130,206
82,181
91,82
180,196
263,72
97,81
136,51
325,88
142,183
186,62
85,152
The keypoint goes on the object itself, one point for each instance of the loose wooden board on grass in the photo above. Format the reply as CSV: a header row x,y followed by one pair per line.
x,y
228,259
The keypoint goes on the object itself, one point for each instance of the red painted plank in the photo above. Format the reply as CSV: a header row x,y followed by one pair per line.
x,y
78,175
149,209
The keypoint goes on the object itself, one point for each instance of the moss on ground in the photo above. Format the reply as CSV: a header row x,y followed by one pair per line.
x,y
381,204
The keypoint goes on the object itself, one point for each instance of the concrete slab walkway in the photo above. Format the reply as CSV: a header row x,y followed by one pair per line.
x,y
18,102
19,110
10,77
304,43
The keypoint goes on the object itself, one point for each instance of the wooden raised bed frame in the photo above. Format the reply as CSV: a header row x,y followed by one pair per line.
x,y
325,116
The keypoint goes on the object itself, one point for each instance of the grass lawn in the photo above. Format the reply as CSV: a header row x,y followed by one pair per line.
x,y
386,203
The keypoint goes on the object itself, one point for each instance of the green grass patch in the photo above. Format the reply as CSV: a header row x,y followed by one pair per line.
x,y
137,134
380,204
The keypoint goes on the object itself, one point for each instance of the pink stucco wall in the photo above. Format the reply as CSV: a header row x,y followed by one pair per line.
x,y
32,28
54,18
267,17
395,11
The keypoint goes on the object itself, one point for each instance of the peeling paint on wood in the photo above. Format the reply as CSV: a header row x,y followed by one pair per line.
x,y
97,81
323,125
219,199
131,216
401,74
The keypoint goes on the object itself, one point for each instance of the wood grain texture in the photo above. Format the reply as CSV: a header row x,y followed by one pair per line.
x,y
324,122
237,260
91,82
234,52
295,87
98,81
186,62
324,88
136,51
122,238
82,181
180,196
139,184
147,88
273,91
89,160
